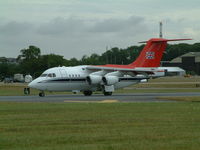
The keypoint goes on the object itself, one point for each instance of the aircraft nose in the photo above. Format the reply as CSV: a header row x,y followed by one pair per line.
x,y
35,84
31,84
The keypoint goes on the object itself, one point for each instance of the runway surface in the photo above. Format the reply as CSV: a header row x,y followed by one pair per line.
x,y
136,97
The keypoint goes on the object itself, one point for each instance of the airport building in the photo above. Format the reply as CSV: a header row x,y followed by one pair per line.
x,y
190,62
8,60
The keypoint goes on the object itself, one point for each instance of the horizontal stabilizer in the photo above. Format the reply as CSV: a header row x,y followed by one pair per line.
x,y
164,40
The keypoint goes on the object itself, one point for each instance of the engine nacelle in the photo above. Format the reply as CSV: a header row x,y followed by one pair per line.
x,y
110,80
93,79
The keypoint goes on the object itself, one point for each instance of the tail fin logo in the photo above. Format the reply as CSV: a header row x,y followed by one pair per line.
x,y
150,55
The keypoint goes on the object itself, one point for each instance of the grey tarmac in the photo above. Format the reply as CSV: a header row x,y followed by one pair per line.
x,y
135,97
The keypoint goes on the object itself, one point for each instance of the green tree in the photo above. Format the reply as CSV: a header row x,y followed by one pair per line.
x,y
51,60
8,70
32,52
73,62
29,60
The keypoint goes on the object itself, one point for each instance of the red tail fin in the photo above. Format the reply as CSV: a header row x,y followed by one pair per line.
x,y
152,53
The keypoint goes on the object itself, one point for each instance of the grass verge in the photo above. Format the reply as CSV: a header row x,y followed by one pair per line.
x,y
157,90
85,126
10,90
18,90
180,98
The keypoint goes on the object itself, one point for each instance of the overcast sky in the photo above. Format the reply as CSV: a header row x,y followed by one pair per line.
x,y
74,28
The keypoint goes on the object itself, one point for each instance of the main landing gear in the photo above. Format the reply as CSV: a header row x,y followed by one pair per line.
x,y
87,93
42,94
107,93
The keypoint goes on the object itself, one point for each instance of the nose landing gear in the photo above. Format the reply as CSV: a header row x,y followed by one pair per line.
x,y
87,93
42,94
107,93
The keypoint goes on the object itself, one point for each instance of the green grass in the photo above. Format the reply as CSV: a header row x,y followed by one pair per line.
x,y
18,90
92,126
180,98
11,90
166,85
151,90
176,79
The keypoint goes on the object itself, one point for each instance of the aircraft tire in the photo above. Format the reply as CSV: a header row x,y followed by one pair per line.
x,y
41,94
87,93
107,93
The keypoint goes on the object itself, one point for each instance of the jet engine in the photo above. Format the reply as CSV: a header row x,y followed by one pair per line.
x,y
110,80
93,79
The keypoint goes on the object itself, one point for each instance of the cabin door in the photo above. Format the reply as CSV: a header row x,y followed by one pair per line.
x,y
63,73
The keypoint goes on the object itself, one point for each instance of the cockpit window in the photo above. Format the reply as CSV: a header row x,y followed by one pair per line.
x,y
48,75
43,75
51,75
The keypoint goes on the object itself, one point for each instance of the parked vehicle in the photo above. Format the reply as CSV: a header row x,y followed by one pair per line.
x,y
18,77
28,78
8,80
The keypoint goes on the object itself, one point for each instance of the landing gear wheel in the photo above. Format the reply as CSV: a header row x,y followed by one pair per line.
x,y
107,93
87,93
41,94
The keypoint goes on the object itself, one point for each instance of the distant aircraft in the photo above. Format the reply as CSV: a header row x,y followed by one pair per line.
x,y
105,78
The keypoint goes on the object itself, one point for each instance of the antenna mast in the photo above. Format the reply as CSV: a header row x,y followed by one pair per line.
x,y
161,35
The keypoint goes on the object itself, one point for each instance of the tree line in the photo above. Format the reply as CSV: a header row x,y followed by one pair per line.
x,y
30,61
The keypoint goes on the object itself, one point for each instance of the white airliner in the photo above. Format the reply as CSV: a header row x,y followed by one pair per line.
x,y
105,78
